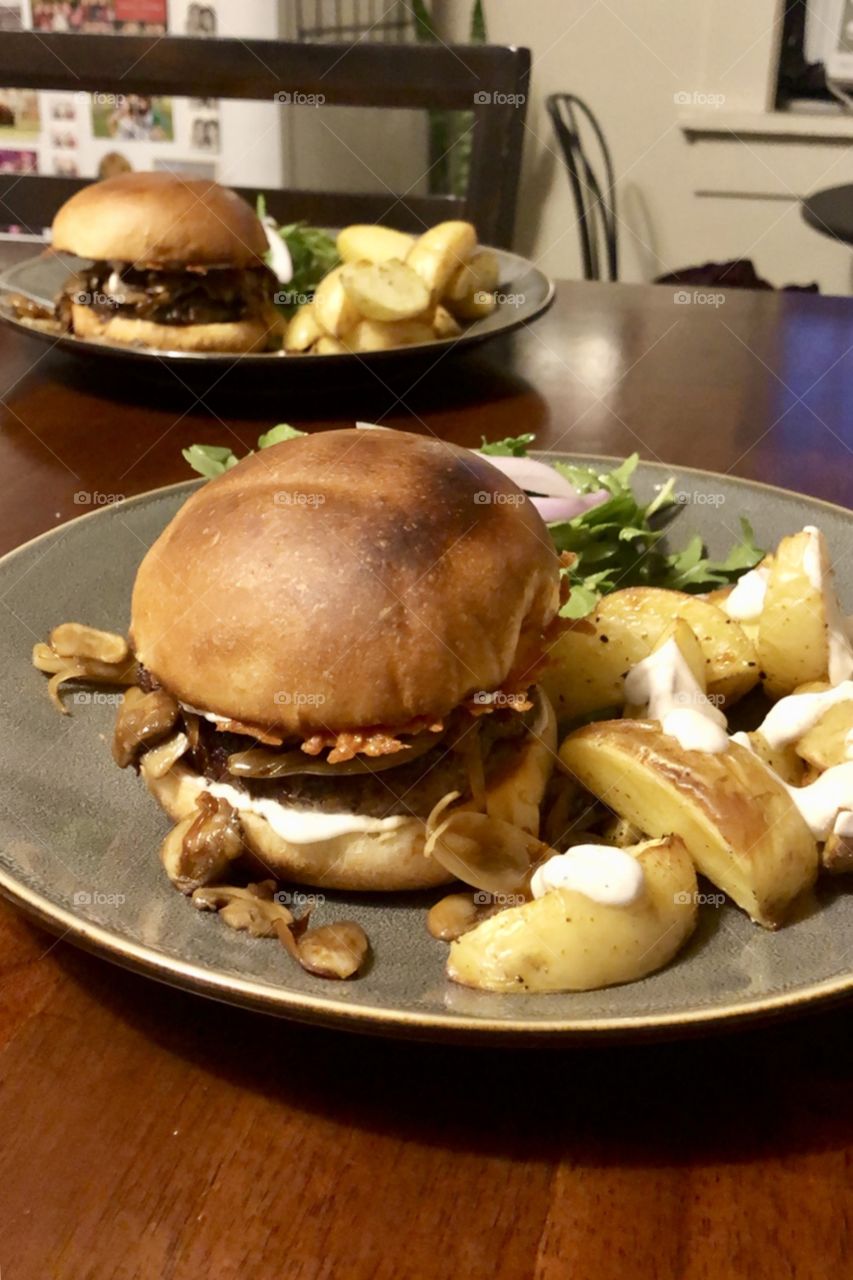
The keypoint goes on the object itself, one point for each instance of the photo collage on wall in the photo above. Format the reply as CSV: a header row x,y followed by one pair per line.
x,y
75,134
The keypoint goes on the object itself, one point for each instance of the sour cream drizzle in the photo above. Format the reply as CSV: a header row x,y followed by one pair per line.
x,y
302,826
837,637
822,802
664,682
793,716
747,597
603,874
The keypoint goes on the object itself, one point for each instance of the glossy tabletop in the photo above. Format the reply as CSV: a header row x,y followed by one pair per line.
x,y
149,1135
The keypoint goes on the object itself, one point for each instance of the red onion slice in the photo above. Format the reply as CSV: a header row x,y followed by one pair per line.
x,y
533,476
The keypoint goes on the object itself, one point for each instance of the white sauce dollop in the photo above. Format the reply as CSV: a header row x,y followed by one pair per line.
x,y
844,825
281,263
746,601
823,802
837,634
793,716
606,875
302,826
664,682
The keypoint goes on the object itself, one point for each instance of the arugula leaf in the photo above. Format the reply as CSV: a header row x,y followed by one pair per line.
x,y
276,434
211,460
511,447
313,253
617,543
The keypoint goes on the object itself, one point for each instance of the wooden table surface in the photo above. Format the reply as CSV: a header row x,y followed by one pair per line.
x,y
149,1135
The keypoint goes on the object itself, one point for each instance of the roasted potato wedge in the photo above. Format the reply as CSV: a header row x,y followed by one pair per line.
x,y
470,293
565,941
326,346
739,824
588,663
385,290
367,243
303,329
440,252
382,335
444,324
825,744
837,853
782,760
799,609
334,310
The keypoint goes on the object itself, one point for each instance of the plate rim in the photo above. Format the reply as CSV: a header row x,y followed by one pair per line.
x,y
272,359
329,1011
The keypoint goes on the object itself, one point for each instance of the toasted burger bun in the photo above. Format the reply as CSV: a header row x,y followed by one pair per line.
x,y
155,219
236,337
344,580
381,861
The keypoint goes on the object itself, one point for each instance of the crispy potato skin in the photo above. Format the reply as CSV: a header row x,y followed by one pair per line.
x,y
739,824
588,663
368,243
792,632
564,941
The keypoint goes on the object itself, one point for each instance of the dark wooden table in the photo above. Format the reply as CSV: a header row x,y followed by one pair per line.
x,y
149,1135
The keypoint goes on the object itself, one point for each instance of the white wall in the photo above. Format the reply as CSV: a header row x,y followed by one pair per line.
x,y
629,60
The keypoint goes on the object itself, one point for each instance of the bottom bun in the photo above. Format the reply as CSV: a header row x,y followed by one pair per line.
x,y
382,861
239,337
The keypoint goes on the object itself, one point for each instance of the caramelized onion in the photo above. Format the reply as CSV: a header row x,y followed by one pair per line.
x,y
75,640
142,718
254,908
260,763
202,846
457,913
333,950
159,760
71,671
482,851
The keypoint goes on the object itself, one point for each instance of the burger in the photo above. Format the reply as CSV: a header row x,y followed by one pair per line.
x,y
177,264
336,637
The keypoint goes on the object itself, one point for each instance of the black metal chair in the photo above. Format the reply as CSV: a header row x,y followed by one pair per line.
x,y
490,81
594,193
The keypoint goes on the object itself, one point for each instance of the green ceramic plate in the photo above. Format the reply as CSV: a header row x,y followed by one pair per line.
x,y
79,837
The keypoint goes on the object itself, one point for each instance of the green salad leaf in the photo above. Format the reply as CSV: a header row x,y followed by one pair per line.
x,y
511,447
313,253
618,543
211,460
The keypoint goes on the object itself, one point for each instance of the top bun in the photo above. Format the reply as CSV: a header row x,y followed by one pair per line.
x,y
155,219
344,580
